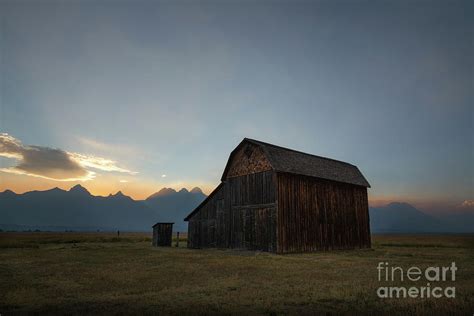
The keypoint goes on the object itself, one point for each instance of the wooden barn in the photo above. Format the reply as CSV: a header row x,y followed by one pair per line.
x,y
281,200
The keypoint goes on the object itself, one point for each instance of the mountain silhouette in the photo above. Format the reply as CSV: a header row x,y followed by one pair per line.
x,y
78,208
196,190
404,218
162,192
79,189
174,206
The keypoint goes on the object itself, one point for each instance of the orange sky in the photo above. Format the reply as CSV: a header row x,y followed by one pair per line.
x,y
101,185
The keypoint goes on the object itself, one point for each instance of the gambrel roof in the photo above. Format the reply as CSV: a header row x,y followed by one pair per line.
x,y
296,162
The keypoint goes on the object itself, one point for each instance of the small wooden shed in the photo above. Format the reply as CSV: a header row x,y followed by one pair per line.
x,y
162,234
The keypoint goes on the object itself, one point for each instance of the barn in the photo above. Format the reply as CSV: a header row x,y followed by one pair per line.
x,y
281,200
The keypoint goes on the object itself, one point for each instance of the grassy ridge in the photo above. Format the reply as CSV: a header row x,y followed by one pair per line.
x,y
100,273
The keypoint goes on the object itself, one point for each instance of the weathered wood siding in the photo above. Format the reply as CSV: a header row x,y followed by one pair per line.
x,y
241,214
208,225
162,234
248,159
315,214
253,211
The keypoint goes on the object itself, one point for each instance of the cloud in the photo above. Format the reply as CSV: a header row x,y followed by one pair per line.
x,y
9,146
468,203
98,163
52,163
163,175
123,181
109,148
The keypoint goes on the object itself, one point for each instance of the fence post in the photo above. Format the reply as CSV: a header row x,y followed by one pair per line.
x,y
177,239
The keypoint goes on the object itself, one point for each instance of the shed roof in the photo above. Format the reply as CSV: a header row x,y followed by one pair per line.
x,y
292,161
162,223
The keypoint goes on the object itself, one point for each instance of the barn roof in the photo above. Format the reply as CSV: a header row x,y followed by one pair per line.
x,y
162,223
204,202
292,161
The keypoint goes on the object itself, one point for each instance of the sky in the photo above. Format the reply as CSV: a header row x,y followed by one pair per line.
x,y
140,95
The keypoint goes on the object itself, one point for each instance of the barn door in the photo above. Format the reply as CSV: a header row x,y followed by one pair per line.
x,y
212,233
198,235
265,229
237,228
254,228
220,229
249,228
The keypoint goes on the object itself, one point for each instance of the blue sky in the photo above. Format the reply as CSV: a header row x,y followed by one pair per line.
x,y
171,87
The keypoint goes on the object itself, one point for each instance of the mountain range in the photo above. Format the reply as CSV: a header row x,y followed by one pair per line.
x,y
77,209
404,218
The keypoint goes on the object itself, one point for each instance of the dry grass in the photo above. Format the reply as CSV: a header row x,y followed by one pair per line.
x,y
99,273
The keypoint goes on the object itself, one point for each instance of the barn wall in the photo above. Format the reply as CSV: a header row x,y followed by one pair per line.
x,y
241,214
207,226
253,211
315,214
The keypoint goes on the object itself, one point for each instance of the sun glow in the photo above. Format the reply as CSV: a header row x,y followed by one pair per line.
x,y
90,175
98,163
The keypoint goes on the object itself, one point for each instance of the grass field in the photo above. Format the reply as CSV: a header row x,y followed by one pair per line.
x,y
72,273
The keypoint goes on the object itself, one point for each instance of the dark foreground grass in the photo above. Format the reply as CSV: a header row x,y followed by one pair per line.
x,y
71,273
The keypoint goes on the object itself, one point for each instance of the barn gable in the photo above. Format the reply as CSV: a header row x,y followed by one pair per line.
x,y
247,158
